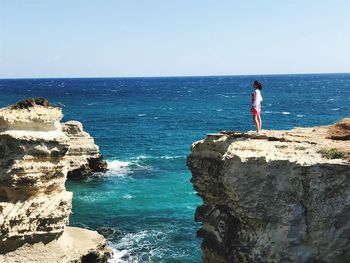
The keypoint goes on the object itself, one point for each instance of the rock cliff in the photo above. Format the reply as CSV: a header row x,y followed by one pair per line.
x,y
282,196
83,154
36,153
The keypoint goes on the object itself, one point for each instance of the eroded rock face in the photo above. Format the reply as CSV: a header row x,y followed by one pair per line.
x,y
34,204
83,154
273,197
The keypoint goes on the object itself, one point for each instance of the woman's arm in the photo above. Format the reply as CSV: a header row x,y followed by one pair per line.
x,y
254,99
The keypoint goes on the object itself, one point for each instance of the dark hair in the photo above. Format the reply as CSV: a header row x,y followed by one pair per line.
x,y
258,84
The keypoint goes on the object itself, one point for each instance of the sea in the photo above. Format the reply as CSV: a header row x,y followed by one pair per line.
x,y
145,204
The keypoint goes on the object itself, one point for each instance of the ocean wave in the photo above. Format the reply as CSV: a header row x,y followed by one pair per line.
x,y
128,196
138,163
116,167
149,157
124,168
118,256
172,157
143,243
277,112
140,157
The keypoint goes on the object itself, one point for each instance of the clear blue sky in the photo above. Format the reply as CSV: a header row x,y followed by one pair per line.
x,y
76,38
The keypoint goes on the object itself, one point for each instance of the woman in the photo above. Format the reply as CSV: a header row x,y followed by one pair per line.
x,y
256,105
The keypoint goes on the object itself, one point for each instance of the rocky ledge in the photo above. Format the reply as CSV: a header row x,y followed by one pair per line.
x,y
36,153
281,196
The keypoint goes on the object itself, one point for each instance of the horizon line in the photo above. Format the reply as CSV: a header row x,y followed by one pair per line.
x,y
177,76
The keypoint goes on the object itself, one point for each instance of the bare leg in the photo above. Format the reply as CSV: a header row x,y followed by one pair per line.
x,y
259,122
256,122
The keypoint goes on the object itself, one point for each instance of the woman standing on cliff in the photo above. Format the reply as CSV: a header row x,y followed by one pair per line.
x,y
256,105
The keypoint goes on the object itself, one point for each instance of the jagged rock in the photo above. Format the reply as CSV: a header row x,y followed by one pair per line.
x,y
273,197
34,204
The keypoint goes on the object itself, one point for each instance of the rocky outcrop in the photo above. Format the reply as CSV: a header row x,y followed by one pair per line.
x,y
34,204
83,154
274,197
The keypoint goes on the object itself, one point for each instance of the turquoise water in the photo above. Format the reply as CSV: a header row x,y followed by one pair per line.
x,y
145,126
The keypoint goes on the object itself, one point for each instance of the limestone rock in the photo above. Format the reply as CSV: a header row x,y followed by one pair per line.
x,y
273,197
83,154
34,204
36,118
73,246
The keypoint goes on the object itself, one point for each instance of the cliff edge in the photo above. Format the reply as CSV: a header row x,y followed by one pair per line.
x,y
281,196
34,204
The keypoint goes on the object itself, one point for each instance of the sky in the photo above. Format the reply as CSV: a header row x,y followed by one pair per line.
x,y
112,38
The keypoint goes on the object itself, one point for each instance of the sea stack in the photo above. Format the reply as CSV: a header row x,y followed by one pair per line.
x,y
279,196
34,204
83,154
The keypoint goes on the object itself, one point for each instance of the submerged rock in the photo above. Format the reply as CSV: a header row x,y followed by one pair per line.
x,y
274,197
34,204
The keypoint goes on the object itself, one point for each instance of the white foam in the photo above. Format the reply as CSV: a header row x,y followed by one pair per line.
x,y
123,168
127,196
140,157
116,167
277,112
171,157
118,256
145,157
300,115
125,247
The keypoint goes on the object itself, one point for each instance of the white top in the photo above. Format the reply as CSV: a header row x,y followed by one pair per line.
x,y
257,98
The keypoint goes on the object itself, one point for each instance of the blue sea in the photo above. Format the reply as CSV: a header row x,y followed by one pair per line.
x,y
145,126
